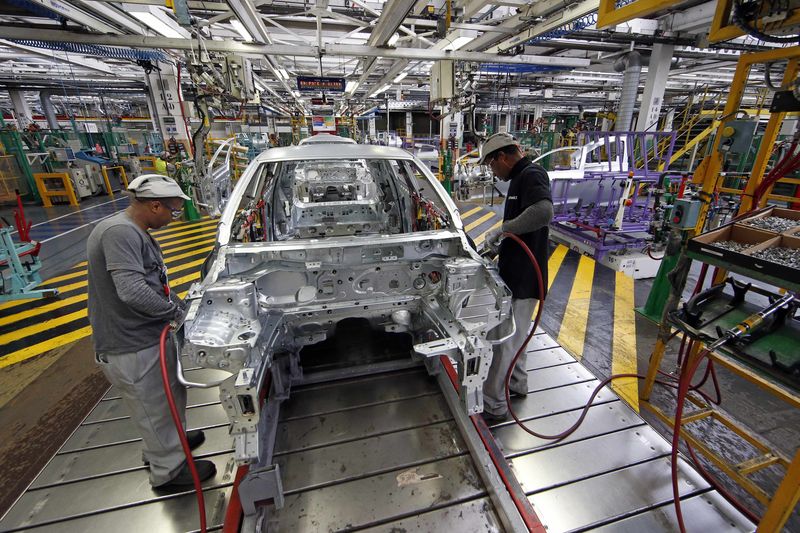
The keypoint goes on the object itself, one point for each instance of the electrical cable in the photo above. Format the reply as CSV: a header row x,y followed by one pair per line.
x,y
176,419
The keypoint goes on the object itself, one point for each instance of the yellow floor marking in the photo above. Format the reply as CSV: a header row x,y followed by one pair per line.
x,y
572,333
58,304
169,259
471,212
174,227
193,231
71,317
44,346
196,242
553,266
482,237
623,343
554,263
209,231
21,333
481,220
50,344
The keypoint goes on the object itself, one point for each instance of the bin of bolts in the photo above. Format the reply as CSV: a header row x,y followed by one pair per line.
x,y
773,224
781,255
733,246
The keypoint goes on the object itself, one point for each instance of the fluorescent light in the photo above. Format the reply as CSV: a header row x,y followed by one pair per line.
x,y
282,73
351,87
400,77
241,30
457,43
156,24
393,39
381,90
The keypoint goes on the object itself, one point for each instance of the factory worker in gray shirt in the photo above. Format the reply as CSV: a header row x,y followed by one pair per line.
x,y
129,305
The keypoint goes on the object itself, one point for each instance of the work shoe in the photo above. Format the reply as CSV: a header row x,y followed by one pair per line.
x,y
196,437
205,470
514,393
492,419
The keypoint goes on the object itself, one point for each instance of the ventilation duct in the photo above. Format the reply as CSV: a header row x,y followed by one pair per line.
x,y
631,64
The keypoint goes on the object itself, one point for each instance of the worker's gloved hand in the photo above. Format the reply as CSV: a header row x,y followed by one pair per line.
x,y
178,318
492,241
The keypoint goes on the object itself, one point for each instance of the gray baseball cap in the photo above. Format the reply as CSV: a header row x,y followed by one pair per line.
x,y
494,143
156,186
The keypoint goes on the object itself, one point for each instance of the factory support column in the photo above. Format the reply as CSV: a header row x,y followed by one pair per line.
x,y
22,111
653,96
409,129
49,110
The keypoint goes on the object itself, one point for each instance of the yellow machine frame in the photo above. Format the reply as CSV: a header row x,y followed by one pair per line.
x,y
779,507
722,30
608,14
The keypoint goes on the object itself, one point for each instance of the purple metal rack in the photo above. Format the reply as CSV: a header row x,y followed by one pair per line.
x,y
586,208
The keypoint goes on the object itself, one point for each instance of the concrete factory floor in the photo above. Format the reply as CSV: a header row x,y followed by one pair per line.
x,y
48,381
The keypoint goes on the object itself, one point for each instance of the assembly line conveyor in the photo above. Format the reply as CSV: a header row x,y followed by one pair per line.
x,y
386,451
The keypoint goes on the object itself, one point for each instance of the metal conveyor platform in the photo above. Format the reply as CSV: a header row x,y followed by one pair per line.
x,y
387,451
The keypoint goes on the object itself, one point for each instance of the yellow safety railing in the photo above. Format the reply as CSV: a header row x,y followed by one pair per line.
x,y
44,180
122,176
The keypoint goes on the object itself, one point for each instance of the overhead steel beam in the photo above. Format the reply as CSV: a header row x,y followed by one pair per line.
x,y
554,21
68,11
113,14
250,18
344,50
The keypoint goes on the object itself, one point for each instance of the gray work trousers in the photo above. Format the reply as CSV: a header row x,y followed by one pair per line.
x,y
494,394
137,377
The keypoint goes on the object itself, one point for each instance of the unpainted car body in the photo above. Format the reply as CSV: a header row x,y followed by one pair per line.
x,y
318,233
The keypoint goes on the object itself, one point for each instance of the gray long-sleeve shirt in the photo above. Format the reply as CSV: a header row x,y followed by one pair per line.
x,y
127,304
534,217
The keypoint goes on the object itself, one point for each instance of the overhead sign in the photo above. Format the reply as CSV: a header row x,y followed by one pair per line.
x,y
315,83
323,123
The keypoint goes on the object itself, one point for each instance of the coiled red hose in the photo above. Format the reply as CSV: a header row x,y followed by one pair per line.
x,y
176,419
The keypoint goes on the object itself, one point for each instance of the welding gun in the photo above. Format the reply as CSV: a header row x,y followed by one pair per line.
x,y
753,322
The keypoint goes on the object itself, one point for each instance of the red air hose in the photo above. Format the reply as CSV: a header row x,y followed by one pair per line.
x,y
684,385
173,409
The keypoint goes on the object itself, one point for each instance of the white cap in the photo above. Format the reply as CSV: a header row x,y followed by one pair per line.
x,y
156,186
494,143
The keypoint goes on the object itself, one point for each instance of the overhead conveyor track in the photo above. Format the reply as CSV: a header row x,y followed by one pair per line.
x,y
384,451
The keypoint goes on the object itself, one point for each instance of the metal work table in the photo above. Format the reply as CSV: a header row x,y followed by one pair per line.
x,y
384,452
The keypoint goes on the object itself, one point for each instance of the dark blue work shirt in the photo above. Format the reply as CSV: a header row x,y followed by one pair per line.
x,y
529,184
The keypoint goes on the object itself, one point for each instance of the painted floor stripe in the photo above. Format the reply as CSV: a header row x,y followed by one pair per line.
x,y
471,212
50,344
572,334
481,220
195,230
58,304
482,237
169,259
183,225
71,317
623,351
554,263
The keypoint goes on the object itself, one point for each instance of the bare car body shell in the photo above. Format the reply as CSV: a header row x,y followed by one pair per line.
x,y
260,302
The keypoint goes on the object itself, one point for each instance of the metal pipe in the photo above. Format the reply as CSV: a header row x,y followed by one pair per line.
x,y
631,64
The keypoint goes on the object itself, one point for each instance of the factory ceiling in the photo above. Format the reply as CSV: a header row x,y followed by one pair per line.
x,y
508,52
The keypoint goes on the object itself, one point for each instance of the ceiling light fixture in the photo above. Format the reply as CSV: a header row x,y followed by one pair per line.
x,y
241,30
282,73
351,87
393,39
400,77
156,24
